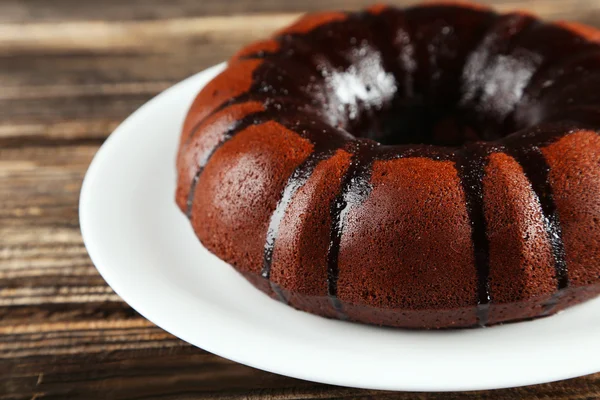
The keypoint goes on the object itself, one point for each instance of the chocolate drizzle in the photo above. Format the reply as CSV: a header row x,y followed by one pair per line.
x,y
470,165
537,170
246,97
354,189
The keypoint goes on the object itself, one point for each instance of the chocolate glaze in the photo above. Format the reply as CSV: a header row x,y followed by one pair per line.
x,y
423,101
471,163
555,48
536,169
354,189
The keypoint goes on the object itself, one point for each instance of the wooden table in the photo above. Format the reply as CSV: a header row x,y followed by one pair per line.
x,y
70,71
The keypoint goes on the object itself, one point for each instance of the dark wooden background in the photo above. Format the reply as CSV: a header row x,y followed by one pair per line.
x,y
70,71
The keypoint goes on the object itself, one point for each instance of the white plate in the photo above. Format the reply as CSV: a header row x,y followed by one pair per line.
x,y
146,250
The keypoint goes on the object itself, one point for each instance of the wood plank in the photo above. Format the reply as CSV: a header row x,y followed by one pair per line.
x,y
85,95
175,372
45,272
17,11
130,36
136,373
122,36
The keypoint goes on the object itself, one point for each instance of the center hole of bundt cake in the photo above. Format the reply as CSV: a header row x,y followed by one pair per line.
x,y
416,123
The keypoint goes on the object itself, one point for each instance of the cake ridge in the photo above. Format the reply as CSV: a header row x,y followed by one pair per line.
x,y
234,128
298,178
274,112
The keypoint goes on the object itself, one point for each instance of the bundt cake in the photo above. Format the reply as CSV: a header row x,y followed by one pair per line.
x,y
430,167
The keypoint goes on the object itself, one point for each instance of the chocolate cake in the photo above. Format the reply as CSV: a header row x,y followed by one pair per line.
x,y
430,167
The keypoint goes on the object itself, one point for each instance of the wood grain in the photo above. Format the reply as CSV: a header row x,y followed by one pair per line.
x,y
70,71
147,10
